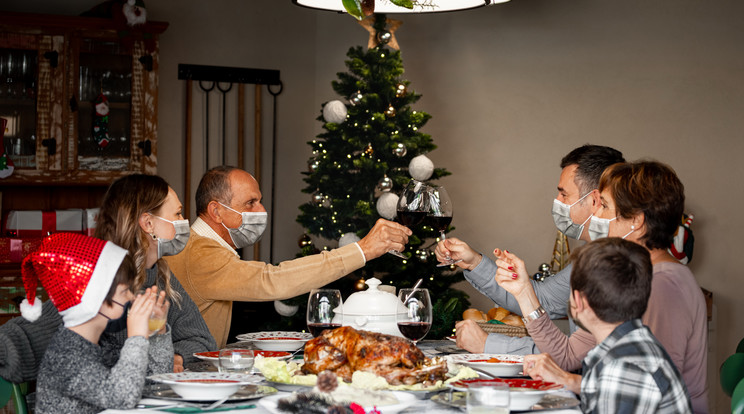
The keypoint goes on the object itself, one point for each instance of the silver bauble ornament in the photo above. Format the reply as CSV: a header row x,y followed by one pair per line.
x,y
284,309
421,168
385,184
387,205
317,198
356,98
422,255
390,111
384,37
348,238
313,165
334,111
400,90
400,150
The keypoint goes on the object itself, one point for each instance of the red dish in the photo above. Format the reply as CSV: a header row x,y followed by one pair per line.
x,y
528,384
265,354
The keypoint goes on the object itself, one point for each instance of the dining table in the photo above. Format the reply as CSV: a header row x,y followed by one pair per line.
x,y
423,405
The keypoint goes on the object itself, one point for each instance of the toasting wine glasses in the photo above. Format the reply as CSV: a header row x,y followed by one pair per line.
x,y
320,310
415,323
413,206
440,215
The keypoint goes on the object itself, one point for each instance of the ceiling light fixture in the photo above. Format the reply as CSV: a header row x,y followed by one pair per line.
x,y
384,6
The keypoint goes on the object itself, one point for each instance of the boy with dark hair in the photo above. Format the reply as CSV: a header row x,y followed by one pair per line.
x,y
628,371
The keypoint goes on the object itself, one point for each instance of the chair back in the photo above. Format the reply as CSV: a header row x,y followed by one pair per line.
x,y
15,393
732,372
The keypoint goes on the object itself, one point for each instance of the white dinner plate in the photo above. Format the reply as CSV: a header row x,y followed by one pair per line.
x,y
204,386
405,400
277,340
510,367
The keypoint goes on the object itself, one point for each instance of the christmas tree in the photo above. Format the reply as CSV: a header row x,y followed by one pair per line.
x,y
371,147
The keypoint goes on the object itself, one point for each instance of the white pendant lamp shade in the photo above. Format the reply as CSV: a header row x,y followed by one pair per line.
x,y
384,6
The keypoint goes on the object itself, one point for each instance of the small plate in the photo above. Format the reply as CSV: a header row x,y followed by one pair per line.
x,y
281,386
524,393
405,400
452,338
204,386
246,392
509,365
277,340
213,356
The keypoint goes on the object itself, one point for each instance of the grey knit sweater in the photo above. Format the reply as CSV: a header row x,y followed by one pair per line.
x,y
74,379
22,343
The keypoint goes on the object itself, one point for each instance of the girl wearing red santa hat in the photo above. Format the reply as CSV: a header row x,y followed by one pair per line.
x,y
91,283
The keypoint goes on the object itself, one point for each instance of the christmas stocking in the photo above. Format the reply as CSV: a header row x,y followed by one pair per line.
x,y
100,121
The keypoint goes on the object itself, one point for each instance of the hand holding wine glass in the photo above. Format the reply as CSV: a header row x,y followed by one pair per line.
x,y
413,206
416,322
440,216
321,306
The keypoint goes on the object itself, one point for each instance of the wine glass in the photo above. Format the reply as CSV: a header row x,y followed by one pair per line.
x,y
413,205
321,310
237,361
440,216
416,322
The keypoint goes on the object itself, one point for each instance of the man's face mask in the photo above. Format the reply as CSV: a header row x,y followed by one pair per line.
x,y
250,230
120,323
174,246
599,227
562,218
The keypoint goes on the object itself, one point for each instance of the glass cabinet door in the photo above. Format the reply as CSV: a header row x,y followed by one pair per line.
x,y
105,81
18,83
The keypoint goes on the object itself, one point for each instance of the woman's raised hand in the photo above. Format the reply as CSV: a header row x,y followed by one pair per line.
x,y
512,274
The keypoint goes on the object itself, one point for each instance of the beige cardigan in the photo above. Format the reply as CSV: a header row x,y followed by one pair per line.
x,y
214,276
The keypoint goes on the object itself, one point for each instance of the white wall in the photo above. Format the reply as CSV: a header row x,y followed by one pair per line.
x,y
511,88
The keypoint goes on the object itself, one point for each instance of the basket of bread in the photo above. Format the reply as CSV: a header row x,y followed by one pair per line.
x,y
497,320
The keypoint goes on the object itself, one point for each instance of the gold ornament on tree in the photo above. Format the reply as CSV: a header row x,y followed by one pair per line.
x,y
368,150
359,285
390,111
561,252
400,90
304,241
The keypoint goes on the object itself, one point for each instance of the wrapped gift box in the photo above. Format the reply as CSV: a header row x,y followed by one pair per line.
x,y
13,250
37,223
89,220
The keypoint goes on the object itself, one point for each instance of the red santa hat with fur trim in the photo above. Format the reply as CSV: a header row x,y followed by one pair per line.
x,y
77,272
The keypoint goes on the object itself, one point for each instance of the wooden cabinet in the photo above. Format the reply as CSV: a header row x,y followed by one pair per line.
x,y
52,69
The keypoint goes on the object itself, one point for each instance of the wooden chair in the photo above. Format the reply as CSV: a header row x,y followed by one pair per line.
x,y
16,393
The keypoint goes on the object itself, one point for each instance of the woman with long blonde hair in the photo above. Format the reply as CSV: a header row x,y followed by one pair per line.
x,y
142,214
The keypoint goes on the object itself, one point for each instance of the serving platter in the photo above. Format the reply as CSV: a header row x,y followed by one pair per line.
x,y
524,393
277,340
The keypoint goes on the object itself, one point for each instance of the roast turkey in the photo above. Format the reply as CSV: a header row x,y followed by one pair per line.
x,y
345,350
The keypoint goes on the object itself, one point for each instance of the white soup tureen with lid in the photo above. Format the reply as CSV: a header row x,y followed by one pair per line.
x,y
371,310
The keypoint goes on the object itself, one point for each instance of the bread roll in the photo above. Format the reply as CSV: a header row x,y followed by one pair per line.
x,y
497,313
513,320
474,315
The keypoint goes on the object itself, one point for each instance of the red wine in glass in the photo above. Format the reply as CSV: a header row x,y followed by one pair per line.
x,y
411,218
439,223
414,330
317,328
